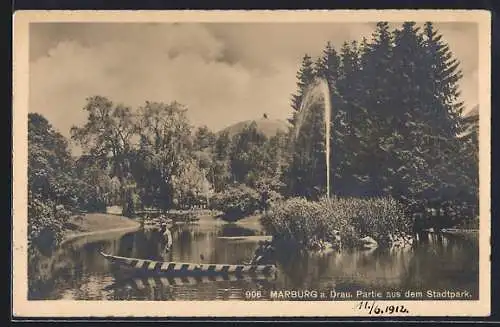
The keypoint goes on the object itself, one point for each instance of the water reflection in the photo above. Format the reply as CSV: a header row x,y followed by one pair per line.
x,y
77,271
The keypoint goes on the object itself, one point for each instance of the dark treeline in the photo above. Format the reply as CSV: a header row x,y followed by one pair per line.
x,y
397,130
397,124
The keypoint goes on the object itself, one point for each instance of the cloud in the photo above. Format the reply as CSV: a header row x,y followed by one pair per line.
x,y
263,45
157,64
224,73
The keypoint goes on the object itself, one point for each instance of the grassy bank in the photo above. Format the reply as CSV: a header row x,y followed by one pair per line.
x,y
96,223
337,221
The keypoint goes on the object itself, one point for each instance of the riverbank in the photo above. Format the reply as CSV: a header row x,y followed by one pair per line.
x,y
250,221
339,222
97,223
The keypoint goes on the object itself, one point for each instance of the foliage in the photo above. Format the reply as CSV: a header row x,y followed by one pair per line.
x,y
247,159
49,162
51,183
305,77
164,149
303,222
45,221
236,202
191,186
97,188
397,124
204,138
397,131
106,136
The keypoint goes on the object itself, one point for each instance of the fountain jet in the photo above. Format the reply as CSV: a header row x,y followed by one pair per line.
x,y
315,92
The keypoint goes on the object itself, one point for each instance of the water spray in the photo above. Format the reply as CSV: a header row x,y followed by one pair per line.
x,y
318,89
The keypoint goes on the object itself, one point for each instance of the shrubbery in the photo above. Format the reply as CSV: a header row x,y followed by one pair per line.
x,y
305,222
45,222
236,202
273,198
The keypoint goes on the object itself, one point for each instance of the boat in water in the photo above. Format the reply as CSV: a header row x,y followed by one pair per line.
x,y
180,269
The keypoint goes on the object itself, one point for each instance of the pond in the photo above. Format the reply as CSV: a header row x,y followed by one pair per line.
x,y
76,270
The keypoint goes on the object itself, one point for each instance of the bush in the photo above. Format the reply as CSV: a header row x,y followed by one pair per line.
x,y
132,204
273,199
305,222
236,202
45,222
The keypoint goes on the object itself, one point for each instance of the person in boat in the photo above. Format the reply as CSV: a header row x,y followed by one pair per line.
x,y
167,235
264,254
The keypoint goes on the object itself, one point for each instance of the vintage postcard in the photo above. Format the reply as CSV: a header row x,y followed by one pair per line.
x,y
251,163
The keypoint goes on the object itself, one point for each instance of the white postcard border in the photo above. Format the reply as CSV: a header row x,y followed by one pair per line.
x,y
61,308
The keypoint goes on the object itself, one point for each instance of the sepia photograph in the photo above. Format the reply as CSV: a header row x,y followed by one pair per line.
x,y
287,163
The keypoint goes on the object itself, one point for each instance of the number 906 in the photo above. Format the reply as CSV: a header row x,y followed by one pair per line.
x,y
253,294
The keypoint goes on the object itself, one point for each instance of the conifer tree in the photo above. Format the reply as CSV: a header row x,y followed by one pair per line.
x,y
354,121
444,77
424,98
328,64
405,166
451,156
396,120
305,77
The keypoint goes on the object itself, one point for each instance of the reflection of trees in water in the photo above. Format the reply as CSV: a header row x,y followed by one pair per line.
x,y
152,290
230,252
444,262
293,264
143,244
192,244
129,291
76,270
368,268
126,247
425,265
197,243
185,241
235,230
68,267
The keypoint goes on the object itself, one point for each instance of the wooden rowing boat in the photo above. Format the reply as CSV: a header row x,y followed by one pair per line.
x,y
151,267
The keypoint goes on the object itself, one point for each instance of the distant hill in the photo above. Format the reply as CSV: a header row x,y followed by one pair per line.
x,y
268,127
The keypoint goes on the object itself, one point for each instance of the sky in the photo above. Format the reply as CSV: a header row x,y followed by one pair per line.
x,y
223,72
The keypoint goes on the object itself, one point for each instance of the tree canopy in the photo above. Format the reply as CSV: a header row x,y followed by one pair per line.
x,y
397,129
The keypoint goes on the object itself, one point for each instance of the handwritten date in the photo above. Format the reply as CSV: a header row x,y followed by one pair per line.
x,y
373,308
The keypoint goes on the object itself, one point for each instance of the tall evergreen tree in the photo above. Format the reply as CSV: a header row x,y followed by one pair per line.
x,y
352,124
305,77
444,77
419,153
457,170
396,115
403,160
328,64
